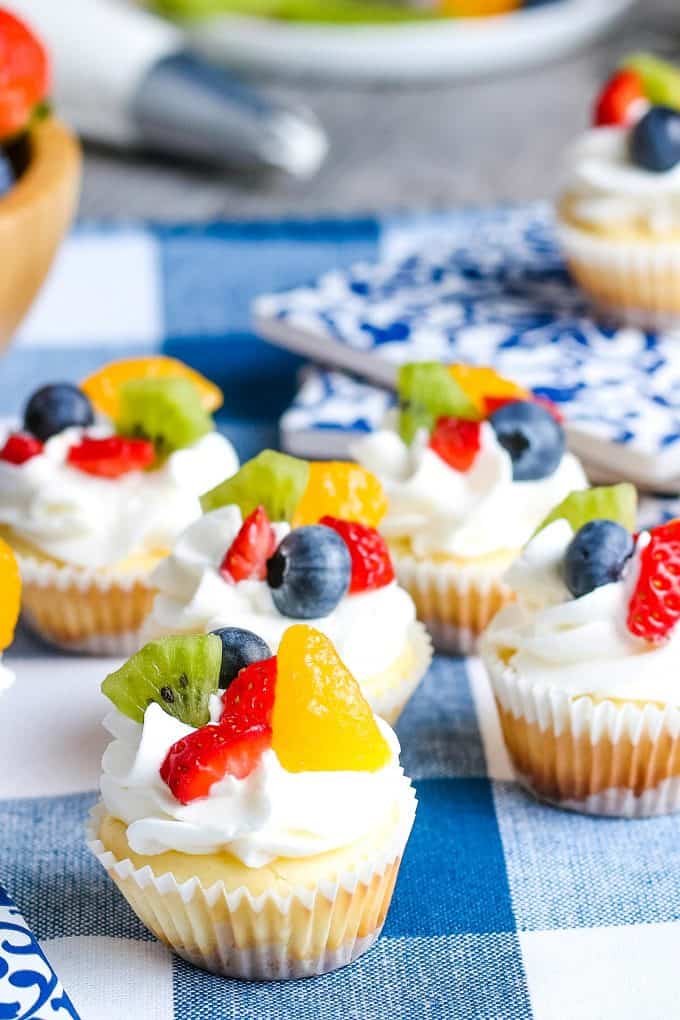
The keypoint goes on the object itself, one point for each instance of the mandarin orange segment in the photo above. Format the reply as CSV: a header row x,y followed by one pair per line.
x,y
321,720
10,594
478,8
103,386
479,382
338,488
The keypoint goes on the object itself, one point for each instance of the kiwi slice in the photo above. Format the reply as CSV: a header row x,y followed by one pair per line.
x,y
427,391
169,412
609,502
178,673
660,79
272,480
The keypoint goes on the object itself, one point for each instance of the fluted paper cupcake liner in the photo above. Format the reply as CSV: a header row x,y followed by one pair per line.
x,y
389,704
637,282
454,606
600,757
83,610
311,930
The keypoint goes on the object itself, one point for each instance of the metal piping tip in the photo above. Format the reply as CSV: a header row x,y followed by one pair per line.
x,y
187,106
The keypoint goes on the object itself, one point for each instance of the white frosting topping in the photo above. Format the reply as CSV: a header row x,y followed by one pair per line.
x,y
368,629
462,513
271,813
580,645
96,522
6,676
609,189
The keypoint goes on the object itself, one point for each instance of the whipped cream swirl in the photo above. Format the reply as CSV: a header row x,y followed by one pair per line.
x,y
580,645
6,676
271,813
96,522
466,514
606,189
368,629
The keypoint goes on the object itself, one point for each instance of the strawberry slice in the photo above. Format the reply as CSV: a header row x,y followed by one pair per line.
x,y
492,404
654,608
248,701
24,76
247,555
371,561
456,441
210,753
622,100
20,447
112,456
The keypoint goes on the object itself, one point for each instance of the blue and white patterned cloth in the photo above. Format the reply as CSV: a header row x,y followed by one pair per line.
x,y
504,908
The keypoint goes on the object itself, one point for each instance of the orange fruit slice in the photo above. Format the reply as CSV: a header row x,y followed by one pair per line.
x,y
10,594
103,386
480,382
338,488
321,721
478,8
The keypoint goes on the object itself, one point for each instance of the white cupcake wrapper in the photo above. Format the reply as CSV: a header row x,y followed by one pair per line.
x,y
584,724
644,276
204,925
46,574
390,703
121,645
454,606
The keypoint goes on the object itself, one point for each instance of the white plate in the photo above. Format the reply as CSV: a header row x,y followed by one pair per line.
x,y
455,48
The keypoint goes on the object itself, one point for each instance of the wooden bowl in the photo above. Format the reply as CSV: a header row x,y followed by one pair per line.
x,y
34,216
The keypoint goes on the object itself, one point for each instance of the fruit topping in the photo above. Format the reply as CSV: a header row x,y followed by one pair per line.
x,y
608,502
655,140
112,456
249,700
167,412
596,555
654,608
309,572
103,386
457,442
660,79
621,101
56,407
20,447
482,384
371,561
207,755
272,480
341,489
321,720
24,76
240,648
10,594
178,673
428,391
247,555
532,437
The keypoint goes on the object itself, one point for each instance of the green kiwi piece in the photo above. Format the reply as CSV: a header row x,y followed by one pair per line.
x,y
427,391
178,673
609,502
660,78
169,412
272,480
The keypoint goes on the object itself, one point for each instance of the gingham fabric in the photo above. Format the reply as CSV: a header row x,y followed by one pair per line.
x,y
504,908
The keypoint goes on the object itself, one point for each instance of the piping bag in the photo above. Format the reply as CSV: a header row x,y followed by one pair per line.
x,y
124,77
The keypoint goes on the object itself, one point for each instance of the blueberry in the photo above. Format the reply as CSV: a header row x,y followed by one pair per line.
x,y
239,648
309,572
655,140
596,555
54,408
532,437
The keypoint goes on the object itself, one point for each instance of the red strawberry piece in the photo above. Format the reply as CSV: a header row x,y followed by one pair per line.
x,y
654,608
209,754
371,561
457,441
247,555
492,404
24,75
20,447
621,101
249,699
112,456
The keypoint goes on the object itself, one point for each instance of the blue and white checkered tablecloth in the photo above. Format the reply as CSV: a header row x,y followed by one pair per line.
x,y
504,908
